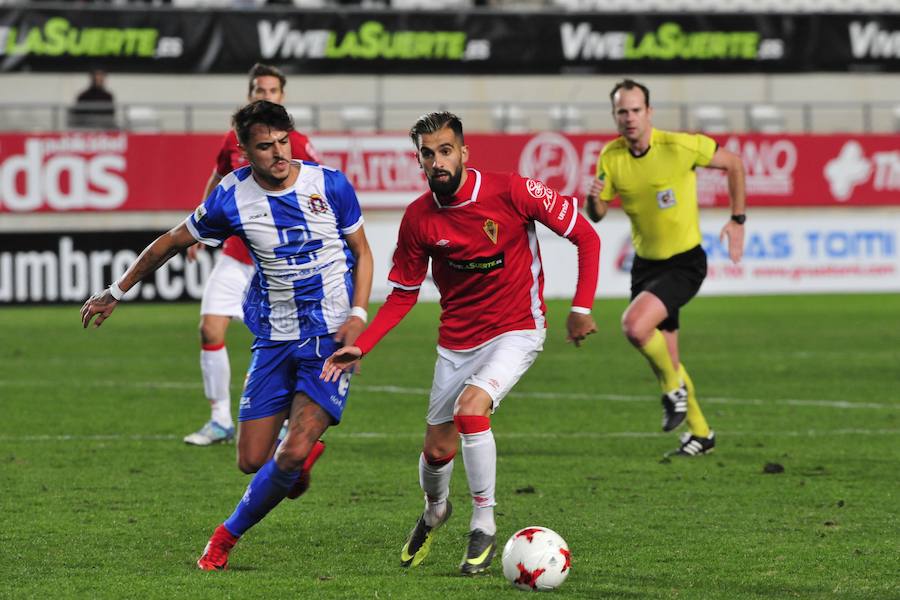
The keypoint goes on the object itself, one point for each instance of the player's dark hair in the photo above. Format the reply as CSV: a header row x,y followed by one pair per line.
x,y
630,84
261,70
273,116
434,122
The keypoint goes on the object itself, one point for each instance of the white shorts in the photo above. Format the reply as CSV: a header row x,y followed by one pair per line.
x,y
224,291
494,367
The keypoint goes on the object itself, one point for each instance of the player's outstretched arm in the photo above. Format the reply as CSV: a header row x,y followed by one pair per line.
x,y
154,256
345,359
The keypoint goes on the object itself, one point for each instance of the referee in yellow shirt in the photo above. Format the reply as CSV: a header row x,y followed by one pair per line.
x,y
653,173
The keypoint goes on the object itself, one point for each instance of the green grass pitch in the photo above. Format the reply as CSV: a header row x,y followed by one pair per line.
x,y
99,498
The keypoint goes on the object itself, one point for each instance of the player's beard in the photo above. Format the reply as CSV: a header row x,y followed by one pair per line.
x,y
445,188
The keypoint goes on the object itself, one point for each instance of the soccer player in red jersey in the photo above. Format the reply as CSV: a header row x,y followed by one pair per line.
x,y
225,287
478,230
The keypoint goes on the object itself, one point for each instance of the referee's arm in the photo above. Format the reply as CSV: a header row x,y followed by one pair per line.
x,y
594,206
733,166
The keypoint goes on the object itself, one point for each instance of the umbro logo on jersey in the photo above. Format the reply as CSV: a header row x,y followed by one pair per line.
x,y
442,242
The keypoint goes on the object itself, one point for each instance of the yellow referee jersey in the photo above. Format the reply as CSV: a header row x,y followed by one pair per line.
x,y
658,189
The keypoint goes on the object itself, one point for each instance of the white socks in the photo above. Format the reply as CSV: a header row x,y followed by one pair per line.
x,y
216,371
480,458
435,482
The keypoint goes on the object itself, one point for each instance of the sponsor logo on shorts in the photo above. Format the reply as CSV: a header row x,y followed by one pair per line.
x,y
481,264
245,402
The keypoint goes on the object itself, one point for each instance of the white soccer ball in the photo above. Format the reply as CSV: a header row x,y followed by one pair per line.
x,y
536,558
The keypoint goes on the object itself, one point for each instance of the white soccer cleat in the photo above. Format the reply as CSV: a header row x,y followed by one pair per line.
x,y
211,433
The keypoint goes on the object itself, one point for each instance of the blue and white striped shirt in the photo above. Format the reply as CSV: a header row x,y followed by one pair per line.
x,y
303,285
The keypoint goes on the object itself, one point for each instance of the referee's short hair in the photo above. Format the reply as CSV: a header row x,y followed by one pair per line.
x,y
630,84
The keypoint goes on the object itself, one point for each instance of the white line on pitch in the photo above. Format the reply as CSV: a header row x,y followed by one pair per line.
x,y
408,391
630,398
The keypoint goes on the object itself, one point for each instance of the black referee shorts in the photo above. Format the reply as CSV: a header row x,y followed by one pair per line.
x,y
674,280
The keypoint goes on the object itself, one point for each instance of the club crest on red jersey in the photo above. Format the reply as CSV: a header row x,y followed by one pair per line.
x,y
317,204
491,229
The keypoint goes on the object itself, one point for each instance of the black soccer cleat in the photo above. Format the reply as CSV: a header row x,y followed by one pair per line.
x,y
674,405
418,544
691,445
480,552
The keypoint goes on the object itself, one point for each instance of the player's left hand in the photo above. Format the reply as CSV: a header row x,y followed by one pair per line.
x,y
344,359
101,304
735,233
579,326
346,336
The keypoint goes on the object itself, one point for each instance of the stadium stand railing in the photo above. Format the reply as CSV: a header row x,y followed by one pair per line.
x,y
518,117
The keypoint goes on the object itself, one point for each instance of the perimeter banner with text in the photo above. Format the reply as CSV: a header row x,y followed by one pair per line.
x,y
66,38
116,172
786,252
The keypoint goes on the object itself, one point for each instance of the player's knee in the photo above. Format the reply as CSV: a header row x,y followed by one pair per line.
x,y
439,455
473,404
632,329
290,457
211,333
250,464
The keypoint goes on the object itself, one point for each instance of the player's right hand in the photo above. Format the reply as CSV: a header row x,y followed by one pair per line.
x,y
344,359
101,304
192,251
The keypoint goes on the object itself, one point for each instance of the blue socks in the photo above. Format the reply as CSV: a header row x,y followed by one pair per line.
x,y
268,487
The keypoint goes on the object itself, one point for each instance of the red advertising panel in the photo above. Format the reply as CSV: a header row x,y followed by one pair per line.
x,y
77,172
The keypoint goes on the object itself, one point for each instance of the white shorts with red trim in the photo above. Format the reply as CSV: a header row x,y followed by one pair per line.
x,y
495,367
224,291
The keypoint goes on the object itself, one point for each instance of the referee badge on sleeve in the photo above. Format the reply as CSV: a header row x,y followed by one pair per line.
x,y
665,198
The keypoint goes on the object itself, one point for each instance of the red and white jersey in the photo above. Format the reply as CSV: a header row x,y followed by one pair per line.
x,y
230,158
484,257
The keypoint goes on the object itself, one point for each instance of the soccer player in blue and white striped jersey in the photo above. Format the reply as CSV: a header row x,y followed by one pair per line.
x,y
304,228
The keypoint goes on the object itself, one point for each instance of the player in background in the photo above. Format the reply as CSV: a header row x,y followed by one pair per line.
x,y
652,172
478,230
231,275
304,228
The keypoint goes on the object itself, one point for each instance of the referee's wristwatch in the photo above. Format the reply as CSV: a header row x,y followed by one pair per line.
x,y
739,219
